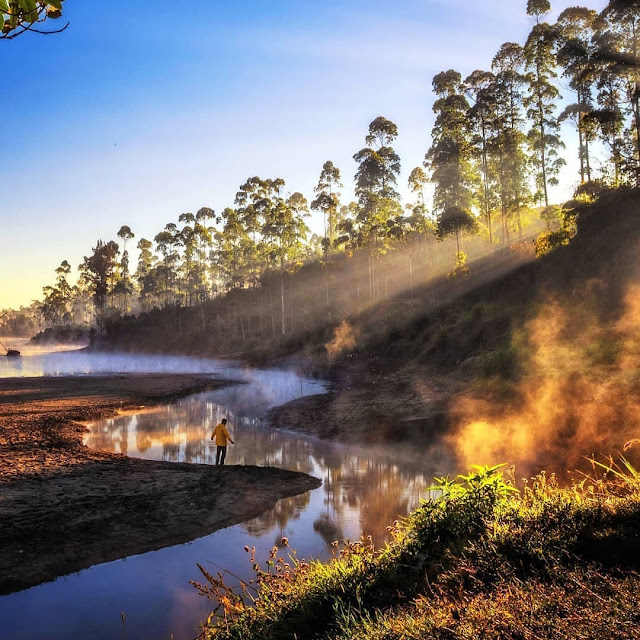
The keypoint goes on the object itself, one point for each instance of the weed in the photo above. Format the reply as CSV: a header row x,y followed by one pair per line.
x,y
485,559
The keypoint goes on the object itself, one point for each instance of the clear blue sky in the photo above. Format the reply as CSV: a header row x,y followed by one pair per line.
x,y
141,111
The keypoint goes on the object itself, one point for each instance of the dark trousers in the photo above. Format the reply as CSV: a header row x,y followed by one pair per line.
x,y
221,454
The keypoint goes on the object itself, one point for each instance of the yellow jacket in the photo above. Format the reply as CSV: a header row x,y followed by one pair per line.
x,y
221,435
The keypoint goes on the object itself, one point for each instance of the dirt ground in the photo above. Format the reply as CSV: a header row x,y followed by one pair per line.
x,y
374,404
65,507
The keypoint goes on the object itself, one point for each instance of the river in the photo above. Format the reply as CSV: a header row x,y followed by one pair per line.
x,y
149,596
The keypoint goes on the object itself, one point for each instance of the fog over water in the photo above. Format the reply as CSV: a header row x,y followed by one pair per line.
x,y
364,489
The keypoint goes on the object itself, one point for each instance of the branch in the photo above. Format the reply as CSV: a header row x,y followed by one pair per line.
x,y
11,35
32,30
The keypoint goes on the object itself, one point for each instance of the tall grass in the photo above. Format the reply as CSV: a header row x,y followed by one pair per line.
x,y
484,554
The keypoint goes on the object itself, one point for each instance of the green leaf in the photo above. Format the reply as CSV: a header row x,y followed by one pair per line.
x,y
1,21
4,7
56,4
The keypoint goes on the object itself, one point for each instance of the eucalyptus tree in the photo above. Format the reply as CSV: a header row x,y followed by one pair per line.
x,y
57,299
124,286
481,89
21,16
327,200
623,59
166,273
417,181
375,182
233,249
204,233
188,240
97,271
405,233
146,261
284,231
455,221
449,157
507,136
540,100
254,200
350,238
576,28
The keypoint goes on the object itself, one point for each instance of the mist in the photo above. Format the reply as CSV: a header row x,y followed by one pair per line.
x,y
578,394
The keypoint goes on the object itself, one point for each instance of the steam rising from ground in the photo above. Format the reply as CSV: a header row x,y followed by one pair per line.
x,y
345,338
579,394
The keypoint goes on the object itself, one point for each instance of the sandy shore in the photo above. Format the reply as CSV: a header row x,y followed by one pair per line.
x,y
65,507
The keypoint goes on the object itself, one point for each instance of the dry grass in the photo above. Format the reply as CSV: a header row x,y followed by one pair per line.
x,y
484,561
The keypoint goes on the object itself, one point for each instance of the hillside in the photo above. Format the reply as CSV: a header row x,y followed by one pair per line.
x,y
497,364
537,366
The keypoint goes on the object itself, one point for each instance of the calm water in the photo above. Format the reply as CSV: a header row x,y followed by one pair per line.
x,y
364,490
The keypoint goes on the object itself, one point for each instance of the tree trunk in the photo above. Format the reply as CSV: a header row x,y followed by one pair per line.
x,y
410,275
282,298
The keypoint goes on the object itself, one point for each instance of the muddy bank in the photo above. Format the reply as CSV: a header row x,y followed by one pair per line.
x,y
370,404
65,507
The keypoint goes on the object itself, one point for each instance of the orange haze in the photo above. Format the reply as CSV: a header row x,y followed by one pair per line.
x,y
579,394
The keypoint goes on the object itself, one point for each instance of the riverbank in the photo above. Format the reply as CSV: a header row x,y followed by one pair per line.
x,y
372,403
486,560
65,507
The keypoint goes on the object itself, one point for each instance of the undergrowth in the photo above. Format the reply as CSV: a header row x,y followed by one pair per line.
x,y
485,560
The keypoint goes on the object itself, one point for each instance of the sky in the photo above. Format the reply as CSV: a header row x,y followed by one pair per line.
x,y
139,112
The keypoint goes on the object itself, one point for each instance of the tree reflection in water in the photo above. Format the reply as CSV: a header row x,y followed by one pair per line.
x,y
370,487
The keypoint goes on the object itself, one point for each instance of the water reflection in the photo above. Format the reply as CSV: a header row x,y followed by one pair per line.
x,y
364,488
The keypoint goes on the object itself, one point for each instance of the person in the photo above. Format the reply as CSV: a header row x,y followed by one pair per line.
x,y
221,436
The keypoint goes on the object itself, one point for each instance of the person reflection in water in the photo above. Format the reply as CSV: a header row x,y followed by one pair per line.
x,y
221,436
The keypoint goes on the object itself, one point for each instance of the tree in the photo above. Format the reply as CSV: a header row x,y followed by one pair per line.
x,y
449,157
146,261
57,299
405,232
253,201
328,201
233,249
455,221
376,178
20,16
124,286
623,59
97,271
284,230
507,136
167,242
609,117
481,88
540,101
417,182
576,29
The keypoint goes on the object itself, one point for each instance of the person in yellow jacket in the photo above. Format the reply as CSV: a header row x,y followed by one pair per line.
x,y
221,435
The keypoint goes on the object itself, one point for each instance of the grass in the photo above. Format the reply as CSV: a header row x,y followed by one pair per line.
x,y
484,561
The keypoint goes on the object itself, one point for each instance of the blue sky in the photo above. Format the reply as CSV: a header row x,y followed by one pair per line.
x,y
140,112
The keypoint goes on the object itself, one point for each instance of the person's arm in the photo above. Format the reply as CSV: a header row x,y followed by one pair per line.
x,y
229,436
213,433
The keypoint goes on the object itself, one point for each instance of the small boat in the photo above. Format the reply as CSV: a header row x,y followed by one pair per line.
x,y
10,353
